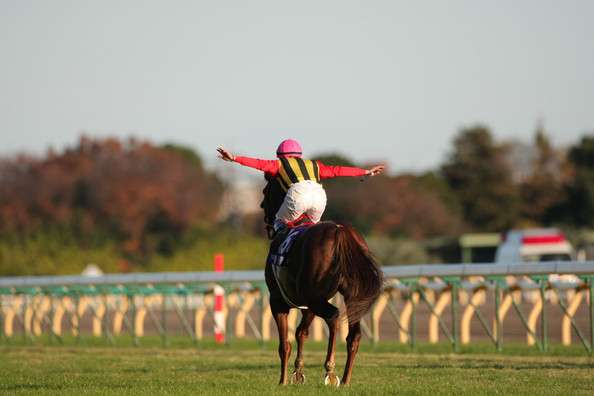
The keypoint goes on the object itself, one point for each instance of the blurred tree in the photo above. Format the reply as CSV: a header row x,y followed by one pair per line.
x,y
16,194
334,159
542,189
433,181
143,195
338,191
579,208
186,152
404,205
477,172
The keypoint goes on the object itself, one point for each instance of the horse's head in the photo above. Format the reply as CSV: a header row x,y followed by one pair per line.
x,y
273,199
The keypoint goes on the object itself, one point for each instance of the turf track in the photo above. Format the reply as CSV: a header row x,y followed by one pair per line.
x,y
250,369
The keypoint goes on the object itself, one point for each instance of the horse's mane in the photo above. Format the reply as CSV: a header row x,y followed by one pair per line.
x,y
272,200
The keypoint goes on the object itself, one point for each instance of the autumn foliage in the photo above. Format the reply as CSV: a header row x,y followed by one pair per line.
x,y
133,205
394,206
144,195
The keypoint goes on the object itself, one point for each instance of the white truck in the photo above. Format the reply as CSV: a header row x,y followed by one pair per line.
x,y
533,245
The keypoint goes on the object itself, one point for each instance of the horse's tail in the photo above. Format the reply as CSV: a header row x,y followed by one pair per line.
x,y
362,279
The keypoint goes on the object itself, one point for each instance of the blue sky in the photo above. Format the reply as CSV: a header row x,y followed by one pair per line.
x,y
385,81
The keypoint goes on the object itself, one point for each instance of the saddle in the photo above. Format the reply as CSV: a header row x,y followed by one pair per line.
x,y
279,262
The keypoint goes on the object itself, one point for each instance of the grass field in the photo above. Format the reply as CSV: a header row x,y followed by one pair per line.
x,y
247,368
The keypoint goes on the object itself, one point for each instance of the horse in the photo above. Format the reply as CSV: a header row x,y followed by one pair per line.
x,y
325,259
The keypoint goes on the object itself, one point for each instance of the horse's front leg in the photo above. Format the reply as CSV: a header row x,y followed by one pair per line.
x,y
301,335
284,346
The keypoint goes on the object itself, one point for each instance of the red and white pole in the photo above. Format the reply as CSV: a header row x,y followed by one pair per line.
x,y
219,302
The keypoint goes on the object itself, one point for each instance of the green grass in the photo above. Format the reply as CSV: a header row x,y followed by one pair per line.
x,y
248,368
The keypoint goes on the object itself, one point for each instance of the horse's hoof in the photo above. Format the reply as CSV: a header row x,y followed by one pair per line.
x,y
298,378
331,379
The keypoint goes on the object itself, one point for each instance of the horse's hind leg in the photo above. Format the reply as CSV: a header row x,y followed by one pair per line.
x,y
284,346
353,340
301,334
330,315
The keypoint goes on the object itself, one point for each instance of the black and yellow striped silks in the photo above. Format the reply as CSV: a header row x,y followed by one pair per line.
x,y
293,170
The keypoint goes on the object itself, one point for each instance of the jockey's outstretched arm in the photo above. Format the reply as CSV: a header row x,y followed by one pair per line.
x,y
270,167
326,172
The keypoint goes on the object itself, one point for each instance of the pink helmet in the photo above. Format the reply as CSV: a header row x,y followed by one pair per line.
x,y
289,148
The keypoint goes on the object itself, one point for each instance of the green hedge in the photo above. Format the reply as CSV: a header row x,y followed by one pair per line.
x,y
59,252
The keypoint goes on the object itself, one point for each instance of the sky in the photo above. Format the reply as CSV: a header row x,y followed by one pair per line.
x,y
378,81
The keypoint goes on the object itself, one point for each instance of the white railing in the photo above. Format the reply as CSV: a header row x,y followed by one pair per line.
x,y
415,298
398,272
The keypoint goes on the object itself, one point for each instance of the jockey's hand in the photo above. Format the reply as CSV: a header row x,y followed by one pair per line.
x,y
376,170
225,155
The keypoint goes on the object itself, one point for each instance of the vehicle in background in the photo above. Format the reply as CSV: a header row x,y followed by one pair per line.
x,y
533,245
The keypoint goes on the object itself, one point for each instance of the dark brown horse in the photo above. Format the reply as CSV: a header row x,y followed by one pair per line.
x,y
325,259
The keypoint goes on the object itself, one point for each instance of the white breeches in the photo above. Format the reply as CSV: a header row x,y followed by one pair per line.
x,y
306,197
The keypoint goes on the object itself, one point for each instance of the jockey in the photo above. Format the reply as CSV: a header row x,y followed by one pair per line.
x,y
300,179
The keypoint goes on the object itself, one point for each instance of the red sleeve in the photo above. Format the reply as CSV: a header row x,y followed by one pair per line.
x,y
267,166
327,172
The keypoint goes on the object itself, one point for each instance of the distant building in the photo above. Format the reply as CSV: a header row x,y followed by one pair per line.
x,y
479,247
241,198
